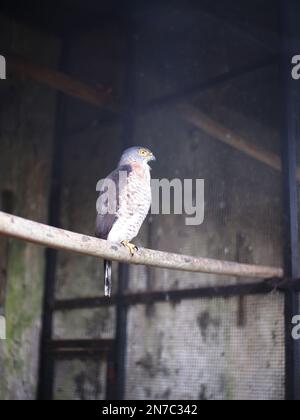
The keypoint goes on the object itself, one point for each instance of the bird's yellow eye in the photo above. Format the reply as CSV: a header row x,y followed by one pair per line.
x,y
143,152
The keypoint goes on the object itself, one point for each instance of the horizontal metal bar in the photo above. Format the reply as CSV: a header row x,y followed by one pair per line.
x,y
204,292
48,236
80,355
83,303
261,287
80,349
80,344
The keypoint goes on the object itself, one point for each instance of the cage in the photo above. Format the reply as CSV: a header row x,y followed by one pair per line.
x,y
209,88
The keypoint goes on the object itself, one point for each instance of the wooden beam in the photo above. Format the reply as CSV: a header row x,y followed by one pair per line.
x,y
215,129
58,81
48,236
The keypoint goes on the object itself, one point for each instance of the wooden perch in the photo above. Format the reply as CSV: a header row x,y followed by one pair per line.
x,y
58,81
48,236
218,131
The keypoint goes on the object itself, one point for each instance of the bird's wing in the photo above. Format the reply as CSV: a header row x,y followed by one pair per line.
x,y
105,220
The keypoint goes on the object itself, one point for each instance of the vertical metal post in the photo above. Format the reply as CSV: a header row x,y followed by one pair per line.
x,y
128,121
46,371
290,12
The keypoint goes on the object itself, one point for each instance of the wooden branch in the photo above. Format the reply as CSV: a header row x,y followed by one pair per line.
x,y
48,236
58,81
220,132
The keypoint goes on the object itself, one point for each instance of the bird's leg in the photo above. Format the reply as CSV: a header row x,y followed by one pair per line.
x,y
131,247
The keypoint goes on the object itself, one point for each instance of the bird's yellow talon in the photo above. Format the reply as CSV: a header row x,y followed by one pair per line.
x,y
131,247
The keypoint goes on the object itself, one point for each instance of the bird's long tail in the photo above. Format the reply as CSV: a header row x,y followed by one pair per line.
x,y
107,278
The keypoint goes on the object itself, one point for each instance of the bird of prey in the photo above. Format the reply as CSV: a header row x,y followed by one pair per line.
x,y
122,209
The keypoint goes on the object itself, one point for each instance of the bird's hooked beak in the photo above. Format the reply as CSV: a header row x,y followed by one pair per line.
x,y
152,157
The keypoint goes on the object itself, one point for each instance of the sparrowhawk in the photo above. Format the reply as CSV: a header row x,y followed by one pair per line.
x,y
122,209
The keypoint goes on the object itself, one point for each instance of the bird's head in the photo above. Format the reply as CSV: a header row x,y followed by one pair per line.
x,y
140,155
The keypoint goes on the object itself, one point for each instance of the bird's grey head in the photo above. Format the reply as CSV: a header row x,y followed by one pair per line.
x,y
136,154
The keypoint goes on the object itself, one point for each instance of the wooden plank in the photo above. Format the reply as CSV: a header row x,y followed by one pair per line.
x,y
48,236
59,81
218,131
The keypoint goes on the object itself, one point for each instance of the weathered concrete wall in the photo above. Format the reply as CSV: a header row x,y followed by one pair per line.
x,y
80,380
27,127
195,350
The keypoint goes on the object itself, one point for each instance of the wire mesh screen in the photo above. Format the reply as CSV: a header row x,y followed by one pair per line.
x,y
209,348
83,379
206,348
197,350
85,323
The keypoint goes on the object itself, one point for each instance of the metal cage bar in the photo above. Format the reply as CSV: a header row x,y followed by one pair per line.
x,y
290,138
